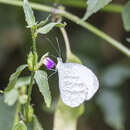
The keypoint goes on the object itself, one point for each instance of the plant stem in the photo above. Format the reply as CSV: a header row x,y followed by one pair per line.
x,y
76,20
67,44
29,94
96,31
65,118
33,72
34,35
34,43
113,8
18,109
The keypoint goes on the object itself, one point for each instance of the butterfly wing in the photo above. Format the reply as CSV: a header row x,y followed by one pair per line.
x,y
76,83
91,82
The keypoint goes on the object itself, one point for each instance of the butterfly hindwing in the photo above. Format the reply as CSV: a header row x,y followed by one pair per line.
x,y
72,89
77,83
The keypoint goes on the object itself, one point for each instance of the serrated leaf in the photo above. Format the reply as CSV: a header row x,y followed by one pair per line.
x,y
23,81
36,124
20,126
14,76
30,19
47,28
42,82
94,6
11,97
126,16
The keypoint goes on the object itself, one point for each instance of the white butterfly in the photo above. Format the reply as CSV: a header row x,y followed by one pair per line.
x,y
77,83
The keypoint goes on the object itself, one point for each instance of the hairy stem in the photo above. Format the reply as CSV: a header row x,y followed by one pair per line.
x,y
76,20
67,44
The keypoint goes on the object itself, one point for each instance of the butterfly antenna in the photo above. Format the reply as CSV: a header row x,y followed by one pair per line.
x,y
58,46
53,56
52,45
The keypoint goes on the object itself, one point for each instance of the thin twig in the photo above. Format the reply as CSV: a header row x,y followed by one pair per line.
x,y
67,44
76,20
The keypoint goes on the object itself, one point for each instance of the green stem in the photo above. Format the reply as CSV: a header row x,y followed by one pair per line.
x,y
96,31
16,119
113,8
76,20
29,95
34,50
67,44
34,35
65,117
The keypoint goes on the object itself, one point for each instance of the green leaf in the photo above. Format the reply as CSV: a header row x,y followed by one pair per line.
x,y
43,22
94,6
30,19
115,75
112,106
128,39
126,16
36,124
47,28
23,81
14,76
6,115
11,97
20,126
42,82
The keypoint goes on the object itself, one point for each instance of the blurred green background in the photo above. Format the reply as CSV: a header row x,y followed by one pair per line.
x,y
109,109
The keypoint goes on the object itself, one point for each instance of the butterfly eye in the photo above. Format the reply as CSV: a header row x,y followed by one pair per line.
x,y
49,63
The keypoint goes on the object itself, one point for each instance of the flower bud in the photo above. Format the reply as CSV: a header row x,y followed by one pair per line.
x,y
30,61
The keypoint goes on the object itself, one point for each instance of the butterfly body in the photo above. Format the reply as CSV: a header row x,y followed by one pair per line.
x,y
77,83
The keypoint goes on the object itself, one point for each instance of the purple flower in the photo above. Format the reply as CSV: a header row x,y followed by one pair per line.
x,y
49,63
